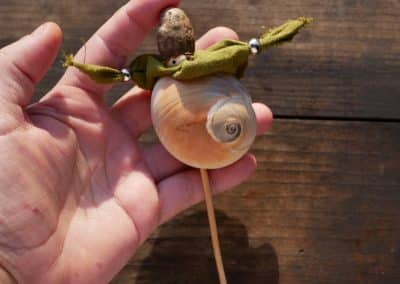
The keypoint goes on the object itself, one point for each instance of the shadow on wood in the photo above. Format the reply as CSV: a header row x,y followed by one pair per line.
x,y
170,260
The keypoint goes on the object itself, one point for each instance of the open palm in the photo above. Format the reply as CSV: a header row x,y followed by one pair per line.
x,y
78,194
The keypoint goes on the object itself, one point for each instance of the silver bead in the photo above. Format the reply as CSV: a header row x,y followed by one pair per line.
x,y
255,46
127,75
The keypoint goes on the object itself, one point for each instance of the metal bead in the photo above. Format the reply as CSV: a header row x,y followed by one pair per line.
x,y
127,75
255,46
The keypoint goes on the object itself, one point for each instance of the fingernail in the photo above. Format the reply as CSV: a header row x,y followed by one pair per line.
x,y
39,30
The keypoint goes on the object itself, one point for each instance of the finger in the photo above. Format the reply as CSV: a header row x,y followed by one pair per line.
x,y
214,35
162,164
133,108
26,61
264,117
117,39
133,111
185,189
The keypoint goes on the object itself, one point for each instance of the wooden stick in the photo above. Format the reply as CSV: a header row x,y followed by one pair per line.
x,y
213,226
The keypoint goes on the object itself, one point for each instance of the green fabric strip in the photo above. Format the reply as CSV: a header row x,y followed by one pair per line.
x,y
283,33
99,74
227,56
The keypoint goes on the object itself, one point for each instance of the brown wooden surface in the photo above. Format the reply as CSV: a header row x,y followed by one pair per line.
x,y
347,64
324,205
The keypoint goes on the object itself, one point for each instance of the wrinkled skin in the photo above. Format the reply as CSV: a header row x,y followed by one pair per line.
x,y
78,195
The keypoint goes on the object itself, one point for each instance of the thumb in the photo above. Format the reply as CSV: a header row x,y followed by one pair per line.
x,y
25,62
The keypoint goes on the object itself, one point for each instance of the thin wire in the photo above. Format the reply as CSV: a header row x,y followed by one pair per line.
x,y
83,41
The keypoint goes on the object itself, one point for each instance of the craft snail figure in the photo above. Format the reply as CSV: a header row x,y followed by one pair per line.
x,y
201,112
208,122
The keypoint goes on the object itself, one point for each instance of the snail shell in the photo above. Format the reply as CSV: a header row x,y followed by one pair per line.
x,y
205,123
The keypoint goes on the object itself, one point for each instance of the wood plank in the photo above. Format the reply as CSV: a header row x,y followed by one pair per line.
x,y
323,207
345,65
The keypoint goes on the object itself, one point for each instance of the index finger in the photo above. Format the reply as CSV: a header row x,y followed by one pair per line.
x,y
116,40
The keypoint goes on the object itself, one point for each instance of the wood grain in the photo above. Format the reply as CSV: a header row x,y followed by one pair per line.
x,y
345,65
323,207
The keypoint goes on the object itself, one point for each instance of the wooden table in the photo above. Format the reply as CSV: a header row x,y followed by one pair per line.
x,y
324,205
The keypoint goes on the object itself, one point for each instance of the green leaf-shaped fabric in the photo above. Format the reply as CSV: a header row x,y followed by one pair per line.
x,y
227,56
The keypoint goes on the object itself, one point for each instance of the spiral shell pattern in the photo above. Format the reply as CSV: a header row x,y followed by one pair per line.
x,y
205,123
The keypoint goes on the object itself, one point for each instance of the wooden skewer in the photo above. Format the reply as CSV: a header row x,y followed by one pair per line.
x,y
213,226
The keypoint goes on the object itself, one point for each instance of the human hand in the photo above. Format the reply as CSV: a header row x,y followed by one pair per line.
x,y
78,194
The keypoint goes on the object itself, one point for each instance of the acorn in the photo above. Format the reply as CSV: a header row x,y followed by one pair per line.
x,y
175,35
